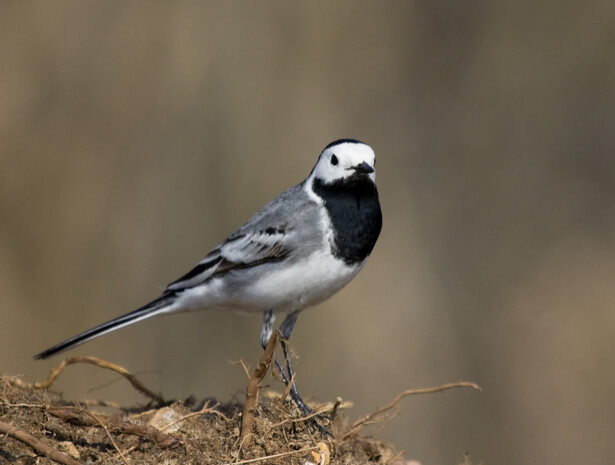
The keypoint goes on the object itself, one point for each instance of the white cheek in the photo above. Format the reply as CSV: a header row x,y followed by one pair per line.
x,y
328,173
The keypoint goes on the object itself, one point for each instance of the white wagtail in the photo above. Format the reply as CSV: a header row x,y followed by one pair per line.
x,y
299,250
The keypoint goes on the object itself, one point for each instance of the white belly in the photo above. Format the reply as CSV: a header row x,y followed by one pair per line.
x,y
307,283
283,289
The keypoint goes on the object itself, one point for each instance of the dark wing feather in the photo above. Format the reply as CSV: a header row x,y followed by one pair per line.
x,y
241,250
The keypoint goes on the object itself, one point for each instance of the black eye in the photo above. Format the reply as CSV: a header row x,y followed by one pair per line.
x,y
334,160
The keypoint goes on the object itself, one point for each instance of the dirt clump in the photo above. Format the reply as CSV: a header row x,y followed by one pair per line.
x,y
39,427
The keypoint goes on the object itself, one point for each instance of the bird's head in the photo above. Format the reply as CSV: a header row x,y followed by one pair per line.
x,y
345,160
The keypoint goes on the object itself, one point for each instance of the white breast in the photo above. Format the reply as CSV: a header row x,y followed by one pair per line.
x,y
307,283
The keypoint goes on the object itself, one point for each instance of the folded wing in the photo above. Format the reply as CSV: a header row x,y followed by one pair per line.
x,y
242,249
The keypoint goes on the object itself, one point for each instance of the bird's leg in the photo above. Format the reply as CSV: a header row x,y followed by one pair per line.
x,y
286,329
266,331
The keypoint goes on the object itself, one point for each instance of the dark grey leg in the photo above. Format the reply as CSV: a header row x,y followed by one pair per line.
x,y
287,326
286,329
266,331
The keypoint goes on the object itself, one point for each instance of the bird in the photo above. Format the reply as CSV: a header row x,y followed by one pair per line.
x,y
296,252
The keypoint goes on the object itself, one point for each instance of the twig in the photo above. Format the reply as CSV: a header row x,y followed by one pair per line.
x,y
243,365
20,435
336,405
253,386
81,417
375,417
395,457
205,409
6,404
117,448
300,419
102,403
55,372
274,456
288,388
149,432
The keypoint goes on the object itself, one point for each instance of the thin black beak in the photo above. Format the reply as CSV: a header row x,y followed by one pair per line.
x,y
363,168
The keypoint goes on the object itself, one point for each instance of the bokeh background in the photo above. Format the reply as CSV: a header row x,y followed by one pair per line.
x,y
135,135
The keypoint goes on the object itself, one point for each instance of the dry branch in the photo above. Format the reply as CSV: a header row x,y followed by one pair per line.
x,y
38,446
378,416
104,426
81,417
304,418
55,372
274,456
256,378
204,410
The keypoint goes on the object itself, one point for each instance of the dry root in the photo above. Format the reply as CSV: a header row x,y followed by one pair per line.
x,y
267,430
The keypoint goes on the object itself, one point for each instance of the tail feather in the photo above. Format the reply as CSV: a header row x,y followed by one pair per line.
x,y
149,310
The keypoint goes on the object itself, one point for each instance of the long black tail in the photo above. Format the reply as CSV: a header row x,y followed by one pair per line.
x,y
153,308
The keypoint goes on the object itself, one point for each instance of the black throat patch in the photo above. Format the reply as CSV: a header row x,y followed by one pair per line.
x,y
355,214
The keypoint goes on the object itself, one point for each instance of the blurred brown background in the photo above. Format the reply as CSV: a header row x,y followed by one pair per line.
x,y
135,135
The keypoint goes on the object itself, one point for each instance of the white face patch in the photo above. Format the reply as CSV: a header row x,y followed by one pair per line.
x,y
341,161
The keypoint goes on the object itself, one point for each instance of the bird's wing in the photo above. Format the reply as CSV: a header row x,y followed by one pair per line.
x,y
245,248
275,232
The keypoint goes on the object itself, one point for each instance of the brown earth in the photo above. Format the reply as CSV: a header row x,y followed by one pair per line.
x,y
38,427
